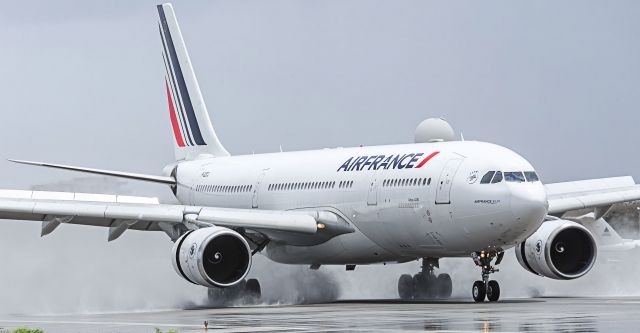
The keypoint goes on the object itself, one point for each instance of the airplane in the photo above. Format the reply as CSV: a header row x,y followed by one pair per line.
x,y
435,198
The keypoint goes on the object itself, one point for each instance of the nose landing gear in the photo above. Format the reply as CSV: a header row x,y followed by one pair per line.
x,y
426,284
486,288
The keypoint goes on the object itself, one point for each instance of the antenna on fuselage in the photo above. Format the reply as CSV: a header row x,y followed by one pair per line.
x,y
461,136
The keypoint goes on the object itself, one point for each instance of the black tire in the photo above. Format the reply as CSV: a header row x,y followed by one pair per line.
x,y
493,291
478,291
252,289
223,296
406,288
445,286
425,286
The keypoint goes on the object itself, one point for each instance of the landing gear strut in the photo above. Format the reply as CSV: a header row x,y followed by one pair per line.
x,y
425,285
486,288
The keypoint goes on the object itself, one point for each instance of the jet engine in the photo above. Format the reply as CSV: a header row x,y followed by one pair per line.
x,y
559,249
212,257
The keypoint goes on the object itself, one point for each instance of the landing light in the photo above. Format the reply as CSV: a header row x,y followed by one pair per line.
x,y
321,226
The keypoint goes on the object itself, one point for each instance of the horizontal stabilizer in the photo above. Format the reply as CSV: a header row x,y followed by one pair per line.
x,y
129,175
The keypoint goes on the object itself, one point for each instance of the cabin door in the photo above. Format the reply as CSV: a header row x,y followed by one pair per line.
x,y
256,188
443,187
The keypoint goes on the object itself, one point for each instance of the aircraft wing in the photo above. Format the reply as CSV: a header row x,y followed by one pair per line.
x,y
599,194
607,237
120,213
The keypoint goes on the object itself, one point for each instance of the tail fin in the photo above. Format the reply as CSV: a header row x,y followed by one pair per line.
x,y
190,122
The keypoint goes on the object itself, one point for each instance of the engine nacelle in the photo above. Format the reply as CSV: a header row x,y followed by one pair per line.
x,y
559,249
212,257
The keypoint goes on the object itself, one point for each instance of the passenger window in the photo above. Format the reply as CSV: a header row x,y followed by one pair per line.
x,y
497,178
531,176
429,181
514,177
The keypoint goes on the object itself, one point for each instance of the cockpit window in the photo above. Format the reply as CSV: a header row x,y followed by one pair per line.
x,y
531,176
486,179
497,178
514,177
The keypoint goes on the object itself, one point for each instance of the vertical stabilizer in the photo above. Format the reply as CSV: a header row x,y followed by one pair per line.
x,y
190,123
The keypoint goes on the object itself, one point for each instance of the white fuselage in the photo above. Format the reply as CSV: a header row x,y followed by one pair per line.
x,y
404,201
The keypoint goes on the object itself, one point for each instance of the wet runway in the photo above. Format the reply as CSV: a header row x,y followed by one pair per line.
x,y
515,315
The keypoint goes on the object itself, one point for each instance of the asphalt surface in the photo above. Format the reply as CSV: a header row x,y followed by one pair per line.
x,y
510,315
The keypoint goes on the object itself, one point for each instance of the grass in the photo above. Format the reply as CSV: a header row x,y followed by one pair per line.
x,y
160,331
21,330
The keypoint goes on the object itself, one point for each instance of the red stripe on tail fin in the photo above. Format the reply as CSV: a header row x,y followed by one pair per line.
x,y
174,120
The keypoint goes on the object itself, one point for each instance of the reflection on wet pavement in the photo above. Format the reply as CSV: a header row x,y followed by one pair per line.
x,y
522,315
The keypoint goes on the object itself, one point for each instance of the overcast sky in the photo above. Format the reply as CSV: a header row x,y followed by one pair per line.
x,y
82,82
558,82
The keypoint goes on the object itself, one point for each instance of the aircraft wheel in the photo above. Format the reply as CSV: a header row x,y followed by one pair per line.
x,y
445,286
222,296
478,291
425,286
252,289
406,288
493,291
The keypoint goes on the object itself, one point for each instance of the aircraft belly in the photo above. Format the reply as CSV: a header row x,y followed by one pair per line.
x,y
353,248
407,230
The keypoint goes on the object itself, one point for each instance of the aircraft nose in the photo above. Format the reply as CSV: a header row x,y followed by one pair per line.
x,y
529,203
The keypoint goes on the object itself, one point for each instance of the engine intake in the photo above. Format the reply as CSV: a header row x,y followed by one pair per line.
x,y
212,257
559,249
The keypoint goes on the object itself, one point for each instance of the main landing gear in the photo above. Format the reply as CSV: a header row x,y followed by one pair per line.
x,y
486,288
245,292
425,285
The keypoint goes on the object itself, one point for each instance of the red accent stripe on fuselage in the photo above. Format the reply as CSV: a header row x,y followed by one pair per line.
x,y
426,159
174,120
